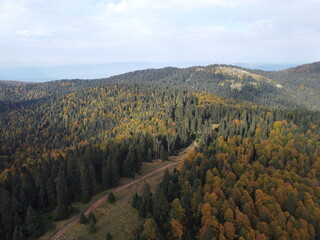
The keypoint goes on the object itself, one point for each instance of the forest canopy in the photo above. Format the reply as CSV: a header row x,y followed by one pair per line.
x,y
254,175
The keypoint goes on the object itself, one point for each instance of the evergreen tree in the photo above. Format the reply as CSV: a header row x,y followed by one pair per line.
x,y
111,198
166,180
51,193
163,154
149,155
83,219
62,195
72,177
18,233
91,217
86,187
128,164
109,236
145,204
106,174
135,201
115,172
160,206
32,222
92,227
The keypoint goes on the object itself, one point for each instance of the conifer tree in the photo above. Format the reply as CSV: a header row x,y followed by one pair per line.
x,y
149,155
91,217
109,236
83,219
18,233
111,198
62,195
32,222
86,187
92,227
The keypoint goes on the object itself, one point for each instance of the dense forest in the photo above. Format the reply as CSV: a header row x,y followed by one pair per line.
x,y
71,147
256,176
286,89
302,81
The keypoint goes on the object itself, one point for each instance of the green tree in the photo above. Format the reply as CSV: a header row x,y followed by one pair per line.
x,y
18,233
145,203
91,217
109,236
149,155
86,188
135,201
83,219
163,154
111,198
62,195
32,222
92,227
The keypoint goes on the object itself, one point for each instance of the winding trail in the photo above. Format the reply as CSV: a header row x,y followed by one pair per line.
x,y
176,159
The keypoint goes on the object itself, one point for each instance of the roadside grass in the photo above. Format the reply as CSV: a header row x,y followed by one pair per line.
x,y
120,219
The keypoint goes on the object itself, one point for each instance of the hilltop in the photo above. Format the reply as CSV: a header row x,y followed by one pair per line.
x,y
305,68
293,88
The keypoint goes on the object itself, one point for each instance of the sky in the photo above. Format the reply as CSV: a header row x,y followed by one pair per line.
x,y
75,32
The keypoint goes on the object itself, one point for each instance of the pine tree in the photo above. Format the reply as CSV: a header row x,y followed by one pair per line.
x,y
18,233
91,217
149,155
86,187
62,195
109,236
72,180
163,154
51,192
106,174
111,198
92,227
137,158
135,201
128,164
166,181
160,206
115,172
83,219
32,222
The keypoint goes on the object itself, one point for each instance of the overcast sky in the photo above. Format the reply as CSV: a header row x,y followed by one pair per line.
x,y
67,32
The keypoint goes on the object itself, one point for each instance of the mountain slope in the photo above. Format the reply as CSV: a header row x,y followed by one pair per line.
x,y
221,80
74,139
305,68
68,148
303,82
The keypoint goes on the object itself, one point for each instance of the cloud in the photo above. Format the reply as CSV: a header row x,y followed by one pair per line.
x,y
34,33
93,31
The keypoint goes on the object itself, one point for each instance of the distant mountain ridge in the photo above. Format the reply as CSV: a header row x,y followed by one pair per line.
x,y
297,87
94,71
302,81
305,68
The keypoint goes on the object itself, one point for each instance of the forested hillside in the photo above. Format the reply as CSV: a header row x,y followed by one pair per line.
x,y
256,176
302,81
71,147
286,89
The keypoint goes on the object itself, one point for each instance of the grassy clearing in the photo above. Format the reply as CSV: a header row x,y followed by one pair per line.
x,y
120,218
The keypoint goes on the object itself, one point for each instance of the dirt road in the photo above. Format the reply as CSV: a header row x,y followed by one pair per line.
x,y
176,159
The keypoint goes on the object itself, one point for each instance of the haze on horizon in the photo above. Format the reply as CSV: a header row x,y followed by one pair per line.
x,y
62,33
